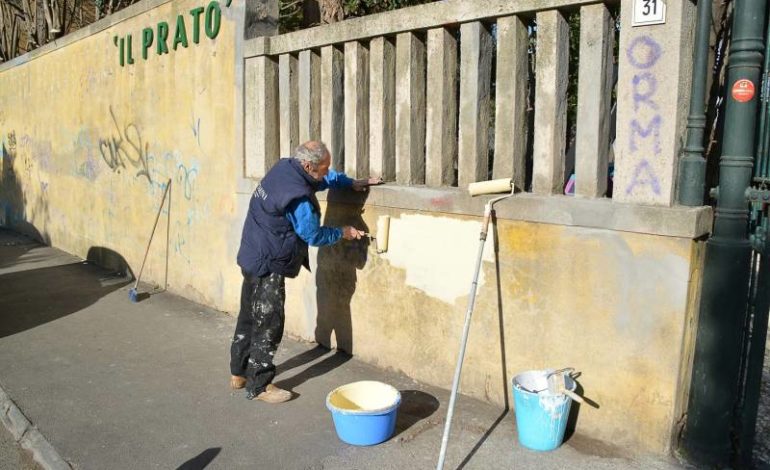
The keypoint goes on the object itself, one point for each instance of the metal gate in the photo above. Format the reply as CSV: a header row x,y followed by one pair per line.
x,y
754,339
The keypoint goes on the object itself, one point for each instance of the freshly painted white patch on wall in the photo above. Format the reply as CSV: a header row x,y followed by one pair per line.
x,y
437,253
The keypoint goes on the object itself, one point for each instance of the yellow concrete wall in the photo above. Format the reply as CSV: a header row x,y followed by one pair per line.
x,y
616,306
613,305
89,146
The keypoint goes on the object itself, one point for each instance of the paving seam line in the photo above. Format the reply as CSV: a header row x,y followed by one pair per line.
x,y
28,436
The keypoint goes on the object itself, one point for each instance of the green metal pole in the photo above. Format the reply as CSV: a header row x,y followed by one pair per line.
x,y
755,362
692,166
760,168
714,386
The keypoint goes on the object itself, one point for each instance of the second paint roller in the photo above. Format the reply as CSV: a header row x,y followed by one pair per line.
x,y
504,185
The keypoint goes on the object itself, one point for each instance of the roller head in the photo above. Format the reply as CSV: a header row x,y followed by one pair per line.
x,y
383,233
503,185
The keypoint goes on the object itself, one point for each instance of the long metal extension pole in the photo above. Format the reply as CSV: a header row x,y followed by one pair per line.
x,y
463,342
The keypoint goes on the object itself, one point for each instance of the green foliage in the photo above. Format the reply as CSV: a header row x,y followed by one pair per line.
x,y
291,11
573,21
289,15
355,8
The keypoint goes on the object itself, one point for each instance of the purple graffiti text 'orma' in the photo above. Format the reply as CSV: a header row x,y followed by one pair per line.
x,y
644,174
642,94
643,52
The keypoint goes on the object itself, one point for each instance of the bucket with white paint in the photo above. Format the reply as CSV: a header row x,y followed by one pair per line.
x,y
364,413
541,416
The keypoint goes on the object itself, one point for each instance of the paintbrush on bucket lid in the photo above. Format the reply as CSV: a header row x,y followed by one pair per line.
x,y
557,384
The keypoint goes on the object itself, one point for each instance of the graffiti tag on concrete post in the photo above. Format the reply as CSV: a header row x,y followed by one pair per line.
x,y
644,132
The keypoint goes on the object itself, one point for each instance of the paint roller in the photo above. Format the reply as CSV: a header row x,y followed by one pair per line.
x,y
474,189
383,234
502,185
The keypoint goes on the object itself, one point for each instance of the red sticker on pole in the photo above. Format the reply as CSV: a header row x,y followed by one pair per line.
x,y
743,90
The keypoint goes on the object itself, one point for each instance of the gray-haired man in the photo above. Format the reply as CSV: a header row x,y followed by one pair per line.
x,y
283,219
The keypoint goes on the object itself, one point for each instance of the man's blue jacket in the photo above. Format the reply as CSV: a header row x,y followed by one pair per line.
x,y
283,218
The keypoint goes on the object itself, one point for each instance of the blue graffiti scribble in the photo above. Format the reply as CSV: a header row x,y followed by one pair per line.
x,y
187,178
180,242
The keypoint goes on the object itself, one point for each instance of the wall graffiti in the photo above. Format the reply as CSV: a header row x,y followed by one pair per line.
x,y
186,178
89,169
183,172
196,129
180,242
643,53
35,153
125,147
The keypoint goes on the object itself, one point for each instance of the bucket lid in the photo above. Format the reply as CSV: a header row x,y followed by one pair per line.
x,y
366,397
536,381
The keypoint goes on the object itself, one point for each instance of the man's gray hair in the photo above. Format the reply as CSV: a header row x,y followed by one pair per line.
x,y
313,152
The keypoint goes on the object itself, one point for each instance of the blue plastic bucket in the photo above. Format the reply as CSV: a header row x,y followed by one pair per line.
x,y
364,413
541,417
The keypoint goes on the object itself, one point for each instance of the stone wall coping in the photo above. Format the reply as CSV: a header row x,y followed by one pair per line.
x,y
96,27
676,221
418,17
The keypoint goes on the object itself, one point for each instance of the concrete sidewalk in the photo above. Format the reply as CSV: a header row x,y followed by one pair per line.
x,y
114,385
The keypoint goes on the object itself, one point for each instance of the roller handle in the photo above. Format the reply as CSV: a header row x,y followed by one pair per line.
x,y
152,234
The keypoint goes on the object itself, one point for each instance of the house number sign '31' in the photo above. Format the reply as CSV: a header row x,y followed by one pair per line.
x,y
648,12
160,38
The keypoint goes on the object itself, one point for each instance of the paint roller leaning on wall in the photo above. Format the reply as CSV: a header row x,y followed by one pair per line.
x,y
282,220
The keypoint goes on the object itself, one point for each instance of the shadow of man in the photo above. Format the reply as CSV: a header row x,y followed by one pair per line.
x,y
201,461
336,271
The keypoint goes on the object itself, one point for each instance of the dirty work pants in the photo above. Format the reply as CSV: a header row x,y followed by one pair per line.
x,y
258,331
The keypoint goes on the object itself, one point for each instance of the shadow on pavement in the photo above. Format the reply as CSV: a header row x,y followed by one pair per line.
x,y
482,440
13,246
316,370
33,297
201,460
301,359
415,406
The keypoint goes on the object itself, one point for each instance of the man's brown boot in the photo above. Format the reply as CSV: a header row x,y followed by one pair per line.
x,y
273,394
236,382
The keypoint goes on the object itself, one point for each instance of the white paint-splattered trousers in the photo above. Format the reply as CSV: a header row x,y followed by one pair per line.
x,y
258,331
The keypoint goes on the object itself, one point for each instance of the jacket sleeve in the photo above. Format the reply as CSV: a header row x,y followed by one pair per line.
x,y
306,223
335,180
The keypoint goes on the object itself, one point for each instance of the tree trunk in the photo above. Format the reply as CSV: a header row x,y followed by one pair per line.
x,y
331,11
40,33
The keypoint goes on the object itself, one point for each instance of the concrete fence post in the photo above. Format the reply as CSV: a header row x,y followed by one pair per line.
x,y
655,64
550,103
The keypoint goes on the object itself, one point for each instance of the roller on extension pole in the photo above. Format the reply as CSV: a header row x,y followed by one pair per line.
x,y
133,296
474,189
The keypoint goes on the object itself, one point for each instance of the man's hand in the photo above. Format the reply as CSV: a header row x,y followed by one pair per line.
x,y
351,233
363,184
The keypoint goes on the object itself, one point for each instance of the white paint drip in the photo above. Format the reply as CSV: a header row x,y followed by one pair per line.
x,y
437,253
